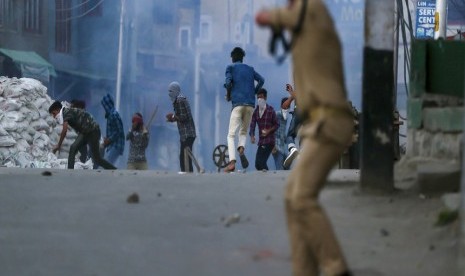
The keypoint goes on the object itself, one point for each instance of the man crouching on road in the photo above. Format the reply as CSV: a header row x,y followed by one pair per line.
x,y
325,133
88,133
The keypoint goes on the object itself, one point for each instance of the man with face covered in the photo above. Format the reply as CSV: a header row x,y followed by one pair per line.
x,y
183,117
88,133
265,117
326,131
114,139
138,137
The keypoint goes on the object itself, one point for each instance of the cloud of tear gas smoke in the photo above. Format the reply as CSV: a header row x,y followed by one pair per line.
x,y
166,40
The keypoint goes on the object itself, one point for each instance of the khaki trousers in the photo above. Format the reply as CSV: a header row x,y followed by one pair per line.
x,y
314,246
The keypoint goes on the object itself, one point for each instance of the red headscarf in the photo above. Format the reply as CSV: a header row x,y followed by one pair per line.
x,y
137,119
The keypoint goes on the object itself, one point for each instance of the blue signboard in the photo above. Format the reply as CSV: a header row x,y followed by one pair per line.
x,y
425,19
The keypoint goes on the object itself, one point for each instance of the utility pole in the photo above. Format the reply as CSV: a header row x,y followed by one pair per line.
x,y
120,57
229,21
440,31
197,95
440,19
461,261
377,152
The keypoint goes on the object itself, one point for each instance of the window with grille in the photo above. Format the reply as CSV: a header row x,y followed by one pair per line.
x,y
205,29
7,14
185,37
32,16
63,26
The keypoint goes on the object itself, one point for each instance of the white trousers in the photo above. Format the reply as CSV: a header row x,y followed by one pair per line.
x,y
240,119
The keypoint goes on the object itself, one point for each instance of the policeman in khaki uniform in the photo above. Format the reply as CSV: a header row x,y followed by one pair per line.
x,y
325,134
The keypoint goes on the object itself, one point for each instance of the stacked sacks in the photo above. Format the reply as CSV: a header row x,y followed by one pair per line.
x,y
27,131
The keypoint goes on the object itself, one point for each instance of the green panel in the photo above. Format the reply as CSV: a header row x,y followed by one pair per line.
x,y
28,57
414,113
445,67
444,119
418,69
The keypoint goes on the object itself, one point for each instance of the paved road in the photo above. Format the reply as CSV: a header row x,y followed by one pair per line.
x,y
79,223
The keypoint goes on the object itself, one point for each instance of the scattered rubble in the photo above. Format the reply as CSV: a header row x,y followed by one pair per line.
x,y
232,219
133,198
384,232
47,173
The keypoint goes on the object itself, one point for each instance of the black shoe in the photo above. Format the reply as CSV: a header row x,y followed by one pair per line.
x,y
244,161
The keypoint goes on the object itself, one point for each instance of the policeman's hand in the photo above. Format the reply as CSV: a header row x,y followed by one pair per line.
x,y
263,18
252,139
274,150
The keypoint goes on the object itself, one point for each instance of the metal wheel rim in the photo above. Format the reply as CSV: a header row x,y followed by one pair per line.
x,y
221,156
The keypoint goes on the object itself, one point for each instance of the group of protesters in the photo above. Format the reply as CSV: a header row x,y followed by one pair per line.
x,y
244,87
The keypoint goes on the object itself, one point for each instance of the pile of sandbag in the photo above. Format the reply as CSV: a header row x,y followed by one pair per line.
x,y
27,131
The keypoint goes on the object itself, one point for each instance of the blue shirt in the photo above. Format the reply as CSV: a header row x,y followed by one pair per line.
x,y
240,78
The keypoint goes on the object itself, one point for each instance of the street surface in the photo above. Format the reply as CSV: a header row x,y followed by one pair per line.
x,y
80,223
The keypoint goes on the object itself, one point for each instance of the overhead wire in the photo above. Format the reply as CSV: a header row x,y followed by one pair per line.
x,y
407,57
404,25
83,14
74,7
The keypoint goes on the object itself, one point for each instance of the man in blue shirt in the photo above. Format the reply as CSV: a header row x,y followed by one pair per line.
x,y
114,140
241,90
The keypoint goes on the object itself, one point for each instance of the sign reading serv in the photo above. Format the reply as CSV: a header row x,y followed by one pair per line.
x,y
425,19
